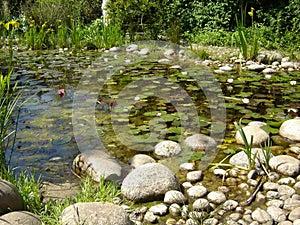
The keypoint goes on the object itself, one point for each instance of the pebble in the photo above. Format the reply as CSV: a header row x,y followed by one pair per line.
x,y
175,209
197,191
262,216
194,176
187,166
150,217
286,190
294,214
276,213
201,204
174,196
216,197
160,209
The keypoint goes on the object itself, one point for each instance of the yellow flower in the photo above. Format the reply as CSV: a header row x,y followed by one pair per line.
x,y
59,21
252,12
44,25
13,23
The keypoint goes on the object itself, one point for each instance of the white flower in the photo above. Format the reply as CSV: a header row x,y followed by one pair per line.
x,y
293,82
184,73
268,76
245,100
136,98
230,88
158,114
229,80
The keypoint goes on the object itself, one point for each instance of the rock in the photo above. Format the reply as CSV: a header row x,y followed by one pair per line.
x,y
132,47
97,164
230,205
20,218
169,53
200,142
290,129
166,149
287,65
270,186
216,197
285,190
194,176
187,166
140,159
196,191
94,213
201,204
226,68
256,67
285,164
241,158
10,198
175,209
150,217
275,202
174,196
149,182
276,213
220,172
291,203
259,135
160,209
144,51
262,216
295,214
269,71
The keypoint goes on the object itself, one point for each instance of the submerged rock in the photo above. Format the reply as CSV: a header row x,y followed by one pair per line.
x,y
291,129
97,164
95,213
140,159
253,129
149,182
200,142
167,149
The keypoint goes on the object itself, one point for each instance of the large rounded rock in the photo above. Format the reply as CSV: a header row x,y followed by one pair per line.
x,y
166,149
200,142
20,218
285,164
94,213
97,164
140,159
290,129
149,182
253,129
10,198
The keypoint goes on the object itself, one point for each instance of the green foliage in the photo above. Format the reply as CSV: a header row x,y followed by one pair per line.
x,y
8,102
247,146
50,11
137,16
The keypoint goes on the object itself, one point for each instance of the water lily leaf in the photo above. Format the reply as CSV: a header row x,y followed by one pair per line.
x,y
153,113
168,117
270,129
176,130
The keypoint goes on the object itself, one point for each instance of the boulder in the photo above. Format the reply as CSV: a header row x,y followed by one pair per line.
x,y
94,213
286,165
290,129
97,164
20,218
200,142
10,198
140,159
149,182
166,149
253,129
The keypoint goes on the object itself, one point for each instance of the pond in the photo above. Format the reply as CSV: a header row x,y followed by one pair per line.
x,y
137,103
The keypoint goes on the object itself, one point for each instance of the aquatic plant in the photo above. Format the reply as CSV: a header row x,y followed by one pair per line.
x,y
247,146
8,102
247,38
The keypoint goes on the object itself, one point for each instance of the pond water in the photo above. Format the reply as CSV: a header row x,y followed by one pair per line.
x,y
45,141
